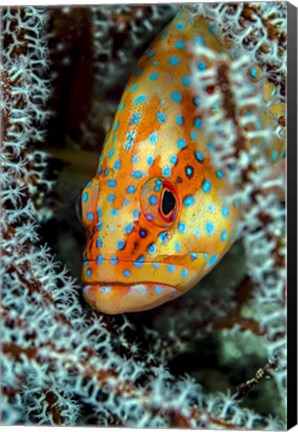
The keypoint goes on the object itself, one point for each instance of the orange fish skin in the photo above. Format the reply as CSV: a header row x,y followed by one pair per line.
x,y
155,211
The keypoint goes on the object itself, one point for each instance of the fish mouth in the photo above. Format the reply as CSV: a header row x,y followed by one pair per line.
x,y
133,286
116,299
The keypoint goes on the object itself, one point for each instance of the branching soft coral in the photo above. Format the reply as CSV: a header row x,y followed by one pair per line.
x,y
64,365
235,122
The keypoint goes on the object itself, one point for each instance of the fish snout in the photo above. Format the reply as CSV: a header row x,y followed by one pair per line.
x,y
116,298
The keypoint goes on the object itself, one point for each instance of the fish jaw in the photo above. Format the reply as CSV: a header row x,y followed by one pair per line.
x,y
115,299
136,286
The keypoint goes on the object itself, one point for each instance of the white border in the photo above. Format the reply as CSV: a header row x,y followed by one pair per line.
x,y
94,2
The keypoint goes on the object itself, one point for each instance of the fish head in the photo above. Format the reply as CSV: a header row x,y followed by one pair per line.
x,y
151,238
155,210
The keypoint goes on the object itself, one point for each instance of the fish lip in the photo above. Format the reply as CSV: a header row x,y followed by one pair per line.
x,y
123,285
131,284
147,261
115,299
127,273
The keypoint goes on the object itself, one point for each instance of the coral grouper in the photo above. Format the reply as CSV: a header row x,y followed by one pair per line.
x,y
155,210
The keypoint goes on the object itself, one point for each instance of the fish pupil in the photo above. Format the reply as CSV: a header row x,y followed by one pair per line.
x,y
168,202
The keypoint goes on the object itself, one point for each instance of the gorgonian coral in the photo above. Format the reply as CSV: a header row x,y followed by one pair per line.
x,y
65,365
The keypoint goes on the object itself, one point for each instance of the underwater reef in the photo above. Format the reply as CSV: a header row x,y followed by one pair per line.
x,y
216,357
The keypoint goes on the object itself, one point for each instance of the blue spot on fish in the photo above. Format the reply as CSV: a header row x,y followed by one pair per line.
x,y
224,235
182,227
177,247
193,135
163,237
176,96
212,260
199,156
116,125
111,183
198,123
152,248
174,61
153,76
111,153
181,143
153,199
199,40
161,117
173,159
136,213
130,137
135,118
131,189
202,66
189,171
209,228
179,119
179,26
129,227
114,260
206,186
274,155
153,137
171,268
185,80
137,174
140,99
188,201
150,160
150,55
180,44
225,211
117,165
158,289
253,72
219,174
138,72
184,273
121,244
166,171
134,87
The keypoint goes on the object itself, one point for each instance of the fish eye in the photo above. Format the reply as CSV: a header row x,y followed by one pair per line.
x,y
159,202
